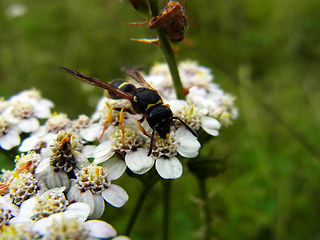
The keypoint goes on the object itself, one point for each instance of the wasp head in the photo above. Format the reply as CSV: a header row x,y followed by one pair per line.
x,y
160,118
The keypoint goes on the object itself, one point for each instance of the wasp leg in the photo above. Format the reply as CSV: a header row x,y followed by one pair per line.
x,y
151,143
142,128
121,123
109,118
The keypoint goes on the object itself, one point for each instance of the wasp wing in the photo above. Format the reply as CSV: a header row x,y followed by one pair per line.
x,y
135,75
97,82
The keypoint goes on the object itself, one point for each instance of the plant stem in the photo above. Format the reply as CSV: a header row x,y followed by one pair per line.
x,y
138,206
166,208
168,53
205,208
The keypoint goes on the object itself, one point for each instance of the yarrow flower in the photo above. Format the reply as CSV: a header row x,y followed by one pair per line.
x,y
7,211
45,134
93,186
20,114
9,134
62,163
66,172
67,226
42,206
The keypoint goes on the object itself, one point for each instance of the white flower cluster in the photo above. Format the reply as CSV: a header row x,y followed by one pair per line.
x,y
51,197
20,114
65,173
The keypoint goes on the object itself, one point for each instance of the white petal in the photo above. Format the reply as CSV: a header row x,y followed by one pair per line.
x,y
42,108
138,161
43,165
29,143
169,168
28,125
115,195
99,206
10,140
91,133
5,204
103,152
81,210
46,152
188,144
41,226
100,229
115,167
88,151
210,125
54,190
120,237
57,179
189,148
176,105
27,208
9,117
74,194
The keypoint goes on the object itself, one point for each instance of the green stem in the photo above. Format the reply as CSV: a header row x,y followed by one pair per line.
x,y
168,53
138,206
166,208
205,208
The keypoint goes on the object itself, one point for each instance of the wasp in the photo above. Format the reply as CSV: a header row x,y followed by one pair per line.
x,y
144,100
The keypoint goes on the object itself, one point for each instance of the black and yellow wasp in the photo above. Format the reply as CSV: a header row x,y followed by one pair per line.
x,y
144,100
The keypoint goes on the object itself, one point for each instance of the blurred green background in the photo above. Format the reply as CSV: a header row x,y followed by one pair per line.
x,y
266,53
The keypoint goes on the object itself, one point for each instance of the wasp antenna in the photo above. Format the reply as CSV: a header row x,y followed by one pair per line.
x,y
151,143
187,126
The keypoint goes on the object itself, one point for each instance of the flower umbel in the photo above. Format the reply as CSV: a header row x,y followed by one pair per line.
x,y
93,187
69,174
